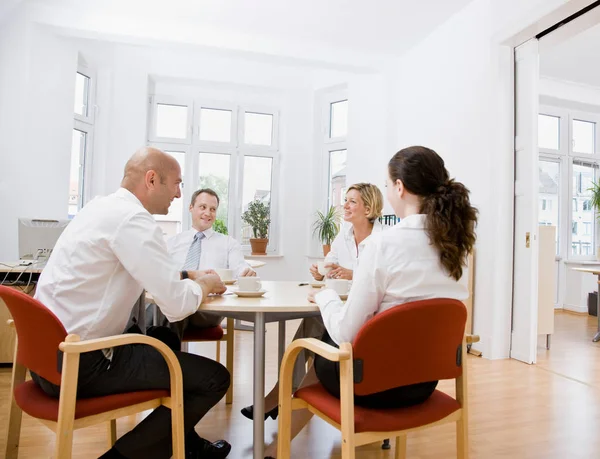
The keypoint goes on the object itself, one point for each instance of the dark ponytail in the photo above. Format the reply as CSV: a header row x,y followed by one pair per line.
x,y
451,219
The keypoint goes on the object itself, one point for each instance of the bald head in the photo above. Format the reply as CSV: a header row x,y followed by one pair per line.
x,y
153,176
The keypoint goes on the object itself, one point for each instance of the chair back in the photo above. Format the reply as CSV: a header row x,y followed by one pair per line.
x,y
39,333
411,343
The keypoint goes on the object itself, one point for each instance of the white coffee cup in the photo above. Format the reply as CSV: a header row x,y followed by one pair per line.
x,y
322,269
341,286
249,284
225,274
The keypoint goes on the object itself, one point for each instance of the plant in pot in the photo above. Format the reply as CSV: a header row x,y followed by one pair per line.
x,y
326,228
220,227
258,217
595,202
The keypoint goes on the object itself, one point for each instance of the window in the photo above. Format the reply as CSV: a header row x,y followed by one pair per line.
x,y
549,194
567,142
335,128
231,149
81,141
549,132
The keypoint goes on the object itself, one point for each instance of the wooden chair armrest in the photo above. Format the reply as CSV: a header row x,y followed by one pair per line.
x,y
470,339
318,347
10,323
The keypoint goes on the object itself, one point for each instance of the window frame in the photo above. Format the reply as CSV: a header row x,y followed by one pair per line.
x,y
567,157
236,149
91,115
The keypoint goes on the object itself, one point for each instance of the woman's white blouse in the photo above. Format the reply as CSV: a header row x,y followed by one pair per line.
x,y
396,266
343,248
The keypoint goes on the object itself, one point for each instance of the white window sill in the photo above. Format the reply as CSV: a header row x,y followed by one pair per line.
x,y
582,262
268,255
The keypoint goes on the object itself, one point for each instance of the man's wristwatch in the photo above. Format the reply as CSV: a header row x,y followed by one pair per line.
x,y
184,274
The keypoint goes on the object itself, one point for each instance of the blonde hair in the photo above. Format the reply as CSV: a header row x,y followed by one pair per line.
x,y
372,197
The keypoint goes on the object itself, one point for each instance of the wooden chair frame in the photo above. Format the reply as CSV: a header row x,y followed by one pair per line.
x,y
350,439
229,339
66,423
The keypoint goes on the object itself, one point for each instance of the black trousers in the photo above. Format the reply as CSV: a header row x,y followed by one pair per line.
x,y
139,367
328,373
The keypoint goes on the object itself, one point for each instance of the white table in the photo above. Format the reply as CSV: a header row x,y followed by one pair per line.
x,y
596,272
282,301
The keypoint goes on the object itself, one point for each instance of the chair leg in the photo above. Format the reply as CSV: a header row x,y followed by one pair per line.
x,y
462,439
15,415
218,351
229,358
401,447
112,433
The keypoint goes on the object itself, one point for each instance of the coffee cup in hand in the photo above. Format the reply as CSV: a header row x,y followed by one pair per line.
x,y
341,286
323,271
225,274
249,284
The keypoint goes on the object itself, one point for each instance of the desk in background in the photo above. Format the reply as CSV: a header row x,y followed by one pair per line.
x,y
25,279
596,272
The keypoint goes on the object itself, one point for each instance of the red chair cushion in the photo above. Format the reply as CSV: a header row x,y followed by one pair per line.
x,y
436,407
36,403
203,334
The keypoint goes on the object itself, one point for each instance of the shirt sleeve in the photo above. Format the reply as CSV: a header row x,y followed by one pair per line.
x,y
343,321
140,247
235,257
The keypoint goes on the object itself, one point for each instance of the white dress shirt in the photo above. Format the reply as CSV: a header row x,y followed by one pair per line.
x,y
343,248
218,251
109,253
396,266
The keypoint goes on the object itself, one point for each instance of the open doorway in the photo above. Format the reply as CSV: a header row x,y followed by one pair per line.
x,y
557,161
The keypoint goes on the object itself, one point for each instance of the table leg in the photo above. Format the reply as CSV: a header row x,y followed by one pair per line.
x,y
597,335
281,342
259,385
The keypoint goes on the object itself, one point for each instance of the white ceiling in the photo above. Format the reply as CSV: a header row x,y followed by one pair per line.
x,y
576,59
378,27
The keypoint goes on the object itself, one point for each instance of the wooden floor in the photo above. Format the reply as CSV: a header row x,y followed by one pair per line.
x,y
517,411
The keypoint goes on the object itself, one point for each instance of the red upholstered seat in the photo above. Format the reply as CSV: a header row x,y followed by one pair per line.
x,y
36,403
203,334
437,407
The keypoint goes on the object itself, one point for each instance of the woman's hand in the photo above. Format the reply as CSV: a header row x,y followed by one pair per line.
x,y
314,271
311,295
337,272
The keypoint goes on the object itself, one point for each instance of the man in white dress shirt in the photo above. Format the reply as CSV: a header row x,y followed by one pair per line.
x,y
201,247
111,251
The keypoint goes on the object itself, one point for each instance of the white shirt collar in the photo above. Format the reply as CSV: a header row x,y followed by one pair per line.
x,y
413,221
128,195
207,232
349,230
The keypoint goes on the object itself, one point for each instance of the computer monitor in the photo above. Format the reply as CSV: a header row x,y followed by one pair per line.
x,y
37,237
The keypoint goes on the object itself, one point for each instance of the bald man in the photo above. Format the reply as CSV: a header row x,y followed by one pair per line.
x,y
111,251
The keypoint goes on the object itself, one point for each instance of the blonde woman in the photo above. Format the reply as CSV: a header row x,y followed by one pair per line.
x,y
362,208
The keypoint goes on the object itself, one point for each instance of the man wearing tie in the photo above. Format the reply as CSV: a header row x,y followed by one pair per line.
x,y
203,248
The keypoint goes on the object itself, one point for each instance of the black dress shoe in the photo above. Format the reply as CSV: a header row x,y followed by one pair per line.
x,y
249,412
197,447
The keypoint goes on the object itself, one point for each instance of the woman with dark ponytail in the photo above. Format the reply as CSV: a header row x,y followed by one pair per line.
x,y
422,257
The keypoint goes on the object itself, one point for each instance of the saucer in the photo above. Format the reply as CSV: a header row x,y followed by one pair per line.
x,y
246,294
229,282
317,284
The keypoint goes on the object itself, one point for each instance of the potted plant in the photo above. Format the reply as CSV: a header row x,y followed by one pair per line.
x,y
595,202
326,227
220,227
258,217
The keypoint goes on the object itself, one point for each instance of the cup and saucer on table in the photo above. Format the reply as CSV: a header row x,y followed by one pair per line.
x,y
249,287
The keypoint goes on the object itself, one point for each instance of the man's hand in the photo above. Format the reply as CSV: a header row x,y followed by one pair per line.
x,y
337,272
314,271
211,283
311,295
248,272
194,275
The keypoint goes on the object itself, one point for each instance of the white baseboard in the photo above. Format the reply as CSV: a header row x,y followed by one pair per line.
x,y
575,308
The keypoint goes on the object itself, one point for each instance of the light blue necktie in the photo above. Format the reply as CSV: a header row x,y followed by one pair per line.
x,y
192,261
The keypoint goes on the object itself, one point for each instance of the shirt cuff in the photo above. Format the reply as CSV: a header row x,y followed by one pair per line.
x,y
324,297
196,289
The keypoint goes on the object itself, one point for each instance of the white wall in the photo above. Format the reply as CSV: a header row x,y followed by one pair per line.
x,y
449,95
36,120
